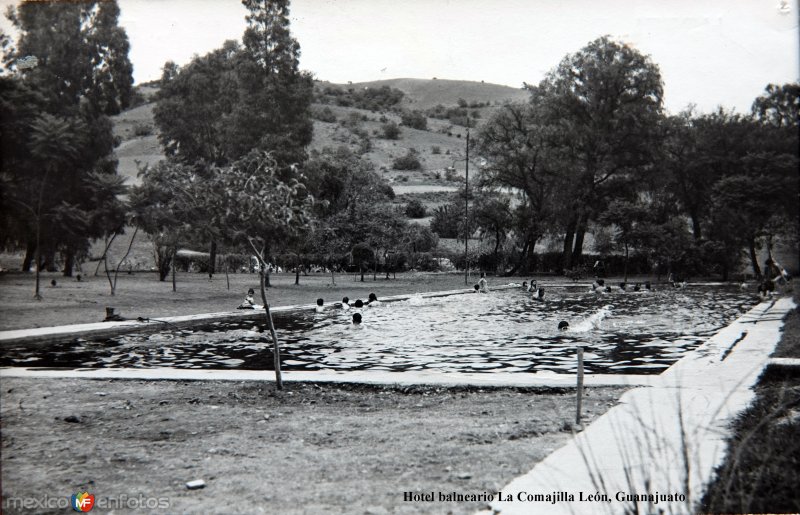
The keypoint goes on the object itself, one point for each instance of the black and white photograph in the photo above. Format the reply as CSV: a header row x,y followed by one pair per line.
x,y
486,257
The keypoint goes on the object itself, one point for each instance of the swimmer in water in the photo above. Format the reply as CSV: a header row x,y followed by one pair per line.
x,y
345,303
373,300
539,294
647,285
623,286
532,288
597,285
359,304
637,287
563,325
525,285
356,321
477,288
319,307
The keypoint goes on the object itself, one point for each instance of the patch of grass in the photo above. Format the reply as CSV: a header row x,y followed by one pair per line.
x,y
762,469
789,346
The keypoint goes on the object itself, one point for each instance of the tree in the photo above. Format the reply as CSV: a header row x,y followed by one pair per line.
x,y
82,75
390,130
82,53
415,209
195,105
418,238
409,161
273,112
494,219
362,256
414,119
778,106
604,103
517,142
627,218
258,209
55,143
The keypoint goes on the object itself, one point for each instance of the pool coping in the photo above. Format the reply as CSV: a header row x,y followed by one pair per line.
x,y
370,377
662,438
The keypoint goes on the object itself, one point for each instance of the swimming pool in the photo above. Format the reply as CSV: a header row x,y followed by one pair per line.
x,y
503,331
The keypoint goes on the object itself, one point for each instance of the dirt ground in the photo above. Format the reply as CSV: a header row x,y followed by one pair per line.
x,y
312,448
141,294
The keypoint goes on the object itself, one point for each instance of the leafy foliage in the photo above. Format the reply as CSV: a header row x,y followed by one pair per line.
x,y
384,98
415,209
409,161
62,166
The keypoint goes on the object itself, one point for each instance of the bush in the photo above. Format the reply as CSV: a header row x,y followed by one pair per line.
x,y
407,162
324,115
142,129
444,223
415,209
415,120
436,149
390,130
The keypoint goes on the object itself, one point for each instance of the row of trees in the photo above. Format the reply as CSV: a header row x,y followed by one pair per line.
x,y
594,149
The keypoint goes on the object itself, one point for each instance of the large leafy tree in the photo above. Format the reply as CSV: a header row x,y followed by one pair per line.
x,y
195,105
518,144
240,98
604,104
81,53
81,74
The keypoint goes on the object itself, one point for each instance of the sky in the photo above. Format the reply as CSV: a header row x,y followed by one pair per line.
x,y
710,52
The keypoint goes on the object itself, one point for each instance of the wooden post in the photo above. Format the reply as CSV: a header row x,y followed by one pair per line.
x,y
580,389
276,350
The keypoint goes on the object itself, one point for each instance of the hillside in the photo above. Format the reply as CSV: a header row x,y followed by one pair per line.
x,y
426,93
438,147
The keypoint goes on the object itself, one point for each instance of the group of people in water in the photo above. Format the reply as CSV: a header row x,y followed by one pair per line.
x,y
372,301
775,275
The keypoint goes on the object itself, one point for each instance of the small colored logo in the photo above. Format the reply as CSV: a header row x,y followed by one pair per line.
x,y
82,501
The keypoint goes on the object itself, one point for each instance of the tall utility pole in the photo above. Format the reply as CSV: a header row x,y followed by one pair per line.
x,y
466,212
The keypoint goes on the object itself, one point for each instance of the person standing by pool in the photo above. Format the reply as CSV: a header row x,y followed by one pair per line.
x,y
482,284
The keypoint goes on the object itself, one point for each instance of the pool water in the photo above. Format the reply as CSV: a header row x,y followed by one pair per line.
x,y
503,331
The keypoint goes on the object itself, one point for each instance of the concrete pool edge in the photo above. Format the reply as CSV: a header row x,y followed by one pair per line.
x,y
663,437
427,378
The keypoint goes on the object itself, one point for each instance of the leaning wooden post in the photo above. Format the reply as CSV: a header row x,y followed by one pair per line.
x,y
275,347
276,351
580,389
